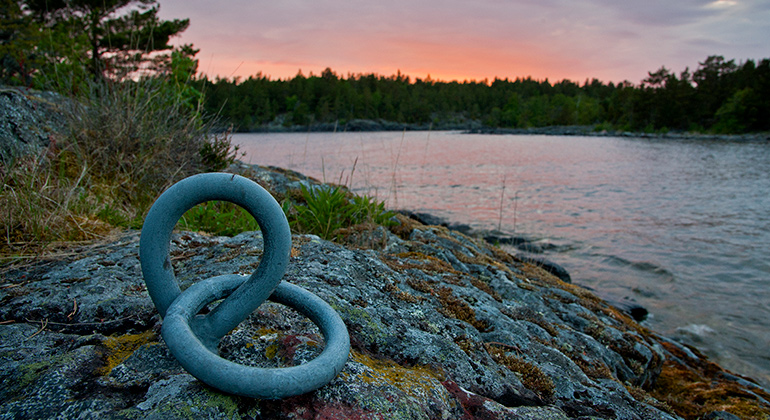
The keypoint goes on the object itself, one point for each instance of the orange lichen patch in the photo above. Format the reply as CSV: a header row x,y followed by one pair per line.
x,y
539,274
119,348
405,226
527,314
531,376
486,288
454,307
415,381
420,261
271,351
402,295
641,395
419,285
263,331
695,387
295,252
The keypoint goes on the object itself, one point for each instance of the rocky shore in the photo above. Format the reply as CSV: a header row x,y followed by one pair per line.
x,y
357,125
442,326
476,127
469,126
589,130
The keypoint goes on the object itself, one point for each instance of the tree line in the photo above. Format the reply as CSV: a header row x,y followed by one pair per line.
x,y
720,96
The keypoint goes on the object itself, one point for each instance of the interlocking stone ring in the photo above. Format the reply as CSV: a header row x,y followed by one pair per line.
x,y
192,337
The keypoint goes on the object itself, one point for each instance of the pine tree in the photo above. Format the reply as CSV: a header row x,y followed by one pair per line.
x,y
121,34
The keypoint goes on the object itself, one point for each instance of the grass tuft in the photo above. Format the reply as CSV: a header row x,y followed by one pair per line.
x,y
327,210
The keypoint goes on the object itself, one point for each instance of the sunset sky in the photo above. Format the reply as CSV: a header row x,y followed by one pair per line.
x,y
611,40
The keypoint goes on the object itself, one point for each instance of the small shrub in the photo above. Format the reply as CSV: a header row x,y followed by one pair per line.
x,y
219,152
370,210
325,211
328,209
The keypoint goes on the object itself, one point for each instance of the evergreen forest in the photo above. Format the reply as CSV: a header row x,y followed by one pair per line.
x,y
720,96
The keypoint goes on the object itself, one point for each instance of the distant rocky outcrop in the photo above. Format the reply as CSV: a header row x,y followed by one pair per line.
x,y
594,131
27,121
356,125
442,326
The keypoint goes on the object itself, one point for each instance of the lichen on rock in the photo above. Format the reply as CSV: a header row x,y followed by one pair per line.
x,y
442,326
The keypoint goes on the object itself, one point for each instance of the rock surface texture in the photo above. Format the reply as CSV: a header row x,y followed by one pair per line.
x,y
27,121
442,326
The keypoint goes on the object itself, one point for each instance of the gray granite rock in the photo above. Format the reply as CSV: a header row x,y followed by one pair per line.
x,y
442,326
27,120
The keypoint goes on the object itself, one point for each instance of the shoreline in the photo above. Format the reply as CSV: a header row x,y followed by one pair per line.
x,y
475,127
527,250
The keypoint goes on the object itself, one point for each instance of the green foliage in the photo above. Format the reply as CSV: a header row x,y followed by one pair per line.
x,y
663,99
218,218
328,209
58,41
368,209
219,152
128,138
738,113
117,217
19,35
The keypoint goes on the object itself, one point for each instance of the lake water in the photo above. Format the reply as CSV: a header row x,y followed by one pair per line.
x,y
680,226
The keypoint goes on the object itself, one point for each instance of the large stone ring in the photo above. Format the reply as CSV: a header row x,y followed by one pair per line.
x,y
193,337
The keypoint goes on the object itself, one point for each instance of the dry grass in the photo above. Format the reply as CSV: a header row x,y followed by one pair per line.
x,y
125,143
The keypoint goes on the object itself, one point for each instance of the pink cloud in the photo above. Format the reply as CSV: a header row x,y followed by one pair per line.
x,y
553,39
